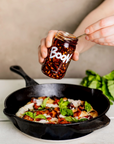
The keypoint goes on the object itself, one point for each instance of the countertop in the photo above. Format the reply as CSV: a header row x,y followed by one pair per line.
x,y
9,134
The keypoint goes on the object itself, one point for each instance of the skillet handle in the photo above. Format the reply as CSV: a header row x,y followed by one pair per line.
x,y
29,81
94,125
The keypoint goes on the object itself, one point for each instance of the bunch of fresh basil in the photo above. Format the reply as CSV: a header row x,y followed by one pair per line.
x,y
104,83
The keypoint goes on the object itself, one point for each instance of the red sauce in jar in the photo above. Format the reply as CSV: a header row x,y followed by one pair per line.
x,y
59,55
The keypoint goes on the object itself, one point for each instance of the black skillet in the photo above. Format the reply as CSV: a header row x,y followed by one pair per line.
x,y
58,131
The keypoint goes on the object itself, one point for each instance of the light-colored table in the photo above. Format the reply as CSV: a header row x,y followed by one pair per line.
x,y
11,135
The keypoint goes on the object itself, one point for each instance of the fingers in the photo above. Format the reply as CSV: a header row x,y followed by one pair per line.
x,y
42,51
41,60
44,44
108,39
106,43
108,31
49,38
75,56
106,22
101,32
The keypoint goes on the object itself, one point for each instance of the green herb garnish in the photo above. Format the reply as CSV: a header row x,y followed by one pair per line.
x,y
43,105
87,106
73,119
40,116
30,114
33,115
64,109
63,104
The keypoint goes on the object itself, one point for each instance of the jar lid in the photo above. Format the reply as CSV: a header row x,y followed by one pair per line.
x,y
65,36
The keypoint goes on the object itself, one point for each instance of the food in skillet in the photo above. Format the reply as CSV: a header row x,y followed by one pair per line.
x,y
56,111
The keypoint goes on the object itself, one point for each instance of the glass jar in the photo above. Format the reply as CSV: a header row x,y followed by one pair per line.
x,y
59,55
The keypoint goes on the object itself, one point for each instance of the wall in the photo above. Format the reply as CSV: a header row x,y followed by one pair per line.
x,y
23,23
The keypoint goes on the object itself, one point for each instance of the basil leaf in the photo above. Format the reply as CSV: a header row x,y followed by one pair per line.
x,y
105,90
90,78
40,116
84,82
63,104
34,114
94,84
67,112
109,76
73,119
111,87
69,119
43,105
40,108
30,114
90,72
87,106
82,119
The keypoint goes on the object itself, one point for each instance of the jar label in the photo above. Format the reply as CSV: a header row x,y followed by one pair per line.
x,y
58,55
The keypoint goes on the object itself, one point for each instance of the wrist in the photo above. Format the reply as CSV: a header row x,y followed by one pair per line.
x,y
83,45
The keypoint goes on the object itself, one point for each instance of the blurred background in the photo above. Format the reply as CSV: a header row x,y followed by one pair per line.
x,y
23,23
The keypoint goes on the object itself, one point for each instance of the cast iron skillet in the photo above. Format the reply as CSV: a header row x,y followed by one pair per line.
x,y
58,131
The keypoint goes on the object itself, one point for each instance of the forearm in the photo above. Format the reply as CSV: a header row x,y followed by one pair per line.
x,y
104,10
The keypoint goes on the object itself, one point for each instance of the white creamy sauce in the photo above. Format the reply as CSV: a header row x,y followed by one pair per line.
x,y
39,102
46,115
76,117
54,120
23,109
61,116
43,121
52,105
83,113
76,103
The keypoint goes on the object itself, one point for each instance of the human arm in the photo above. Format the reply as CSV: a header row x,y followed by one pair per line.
x,y
106,9
93,19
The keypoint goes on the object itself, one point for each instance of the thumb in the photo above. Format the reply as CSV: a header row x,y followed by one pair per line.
x,y
75,56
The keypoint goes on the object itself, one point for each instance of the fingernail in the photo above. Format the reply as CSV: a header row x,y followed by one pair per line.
x,y
87,31
44,54
41,60
87,38
77,57
48,44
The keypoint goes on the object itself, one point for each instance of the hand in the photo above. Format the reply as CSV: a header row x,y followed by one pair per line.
x,y
101,32
46,43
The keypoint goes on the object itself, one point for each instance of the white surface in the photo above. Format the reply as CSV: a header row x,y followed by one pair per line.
x,y
10,135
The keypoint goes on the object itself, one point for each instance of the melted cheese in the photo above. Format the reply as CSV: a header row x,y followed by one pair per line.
x,y
52,105
54,120
43,121
39,102
23,109
46,115
76,103
61,116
